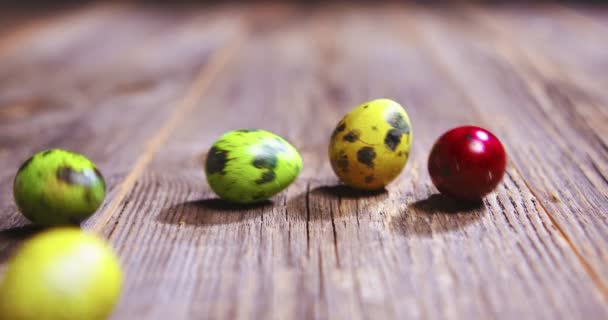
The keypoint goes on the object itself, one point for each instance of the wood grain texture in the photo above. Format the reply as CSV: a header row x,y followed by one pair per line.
x,y
116,92
147,103
550,111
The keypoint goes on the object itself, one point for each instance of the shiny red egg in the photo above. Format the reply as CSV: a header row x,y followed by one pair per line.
x,y
467,163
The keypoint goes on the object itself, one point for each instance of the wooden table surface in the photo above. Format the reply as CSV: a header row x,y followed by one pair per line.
x,y
145,90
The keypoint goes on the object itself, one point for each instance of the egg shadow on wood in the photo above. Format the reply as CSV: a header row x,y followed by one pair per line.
x,y
346,192
439,203
325,202
437,214
10,239
212,212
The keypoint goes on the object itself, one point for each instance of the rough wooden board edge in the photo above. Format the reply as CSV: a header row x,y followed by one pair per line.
x,y
203,80
441,64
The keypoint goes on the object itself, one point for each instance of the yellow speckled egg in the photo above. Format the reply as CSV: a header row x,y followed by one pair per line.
x,y
371,144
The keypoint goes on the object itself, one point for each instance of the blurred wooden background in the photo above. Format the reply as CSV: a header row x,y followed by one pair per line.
x,y
143,90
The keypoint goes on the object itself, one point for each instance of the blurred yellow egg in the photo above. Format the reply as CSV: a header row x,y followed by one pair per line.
x,y
371,144
65,274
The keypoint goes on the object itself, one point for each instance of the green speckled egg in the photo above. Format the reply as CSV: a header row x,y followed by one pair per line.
x,y
58,187
247,166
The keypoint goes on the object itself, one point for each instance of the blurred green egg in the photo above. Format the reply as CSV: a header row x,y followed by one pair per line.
x,y
58,187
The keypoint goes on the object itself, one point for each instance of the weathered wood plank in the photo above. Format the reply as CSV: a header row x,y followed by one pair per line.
x,y
562,47
47,33
576,109
146,103
116,95
320,251
589,20
563,175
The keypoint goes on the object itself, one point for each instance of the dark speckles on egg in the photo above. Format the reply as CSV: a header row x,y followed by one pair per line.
x,y
372,148
397,121
85,177
56,186
65,174
366,155
392,139
341,127
267,159
255,165
267,177
400,127
342,161
216,161
352,136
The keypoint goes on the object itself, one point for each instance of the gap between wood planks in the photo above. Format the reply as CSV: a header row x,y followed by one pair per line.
x,y
440,62
203,80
